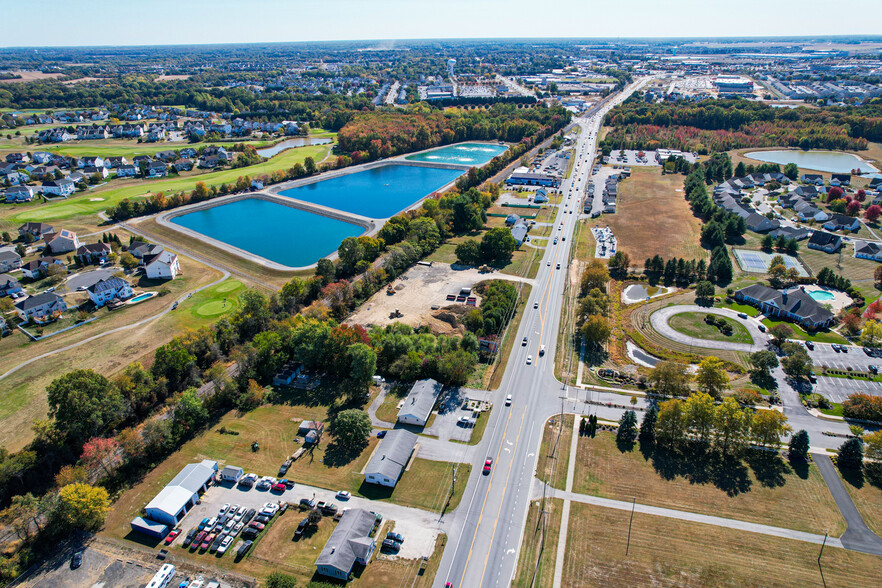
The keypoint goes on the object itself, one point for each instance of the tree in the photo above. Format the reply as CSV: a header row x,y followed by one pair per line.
x,y
326,269
128,261
596,275
314,517
873,212
780,333
731,426
596,331
362,365
71,474
834,193
102,452
350,252
627,433
698,412
871,333
469,252
796,363
851,455
791,170
280,580
767,427
351,428
620,262
189,412
82,506
853,208
705,290
712,377
84,404
799,446
767,243
873,442
670,378
498,245
670,429
647,426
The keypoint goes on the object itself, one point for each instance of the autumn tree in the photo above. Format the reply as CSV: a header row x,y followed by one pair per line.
x,y
767,427
670,428
711,377
351,428
82,506
102,453
670,378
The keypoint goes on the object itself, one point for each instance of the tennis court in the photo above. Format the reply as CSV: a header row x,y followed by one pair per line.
x,y
757,262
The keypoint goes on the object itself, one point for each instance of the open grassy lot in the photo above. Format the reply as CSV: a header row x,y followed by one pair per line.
x,y
402,572
800,333
745,308
531,564
426,485
554,452
866,493
692,324
653,217
668,552
766,491
82,203
277,550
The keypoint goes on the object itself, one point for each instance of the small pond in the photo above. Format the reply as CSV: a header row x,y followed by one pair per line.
x,y
825,161
290,143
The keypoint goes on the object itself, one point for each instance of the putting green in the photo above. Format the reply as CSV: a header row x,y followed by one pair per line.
x,y
215,307
228,286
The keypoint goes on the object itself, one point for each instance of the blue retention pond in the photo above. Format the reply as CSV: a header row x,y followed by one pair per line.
x,y
375,193
276,232
464,154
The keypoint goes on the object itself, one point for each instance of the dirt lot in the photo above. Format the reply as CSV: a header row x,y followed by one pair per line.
x,y
416,292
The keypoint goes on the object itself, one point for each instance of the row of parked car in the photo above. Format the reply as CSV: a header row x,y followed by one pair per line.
x,y
265,483
216,534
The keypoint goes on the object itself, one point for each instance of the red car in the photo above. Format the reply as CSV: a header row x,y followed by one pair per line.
x,y
206,543
171,536
279,487
487,465
198,541
256,525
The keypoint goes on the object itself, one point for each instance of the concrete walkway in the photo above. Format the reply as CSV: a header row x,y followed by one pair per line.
x,y
857,536
693,517
659,320
565,512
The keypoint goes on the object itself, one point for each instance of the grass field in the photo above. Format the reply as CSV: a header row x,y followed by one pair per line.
x,y
530,564
551,465
693,325
653,217
867,497
759,491
81,203
127,148
745,308
667,552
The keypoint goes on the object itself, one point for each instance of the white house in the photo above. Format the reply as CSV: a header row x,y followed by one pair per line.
x,y
420,401
162,266
103,291
231,473
19,194
62,187
867,250
349,543
390,458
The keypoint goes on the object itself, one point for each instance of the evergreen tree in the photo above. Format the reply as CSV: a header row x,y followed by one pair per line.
x,y
799,446
851,455
647,427
627,432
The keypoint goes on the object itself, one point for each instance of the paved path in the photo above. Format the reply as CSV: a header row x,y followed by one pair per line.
x,y
659,320
857,536
565,512
689,516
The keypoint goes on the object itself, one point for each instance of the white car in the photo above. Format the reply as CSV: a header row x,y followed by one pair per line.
x,y
536,304
224,508
270,508
344,495
508,400
222,548
529,359
239,526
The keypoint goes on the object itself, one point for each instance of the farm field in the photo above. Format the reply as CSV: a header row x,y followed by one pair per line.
x,y
669,552
693,325
762,491
653,218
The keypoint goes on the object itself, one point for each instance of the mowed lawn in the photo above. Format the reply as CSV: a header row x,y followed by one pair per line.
x,y
867,498
530,563
554,452
669,552
653,218
83,203
692,324
769,493
859,271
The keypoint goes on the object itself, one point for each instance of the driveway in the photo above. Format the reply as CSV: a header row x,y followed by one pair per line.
x,y
86,279
659,320
857,536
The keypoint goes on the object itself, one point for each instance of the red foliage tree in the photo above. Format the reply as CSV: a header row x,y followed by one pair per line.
x,y
101,452
853,208
873,212
860,195
835,193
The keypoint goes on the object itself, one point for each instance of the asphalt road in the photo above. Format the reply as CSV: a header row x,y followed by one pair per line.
x,y
487,527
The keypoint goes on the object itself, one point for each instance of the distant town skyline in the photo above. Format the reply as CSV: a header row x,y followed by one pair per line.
x,y
168,22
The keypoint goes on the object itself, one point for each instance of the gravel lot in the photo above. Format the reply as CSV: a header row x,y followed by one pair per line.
x,y
418,541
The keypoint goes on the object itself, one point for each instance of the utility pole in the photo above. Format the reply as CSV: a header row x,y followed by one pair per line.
x,y
630,524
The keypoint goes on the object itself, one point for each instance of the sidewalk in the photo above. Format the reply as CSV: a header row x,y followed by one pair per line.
x,y
565,513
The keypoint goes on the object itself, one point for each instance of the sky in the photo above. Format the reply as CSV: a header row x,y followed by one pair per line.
x,y
167,22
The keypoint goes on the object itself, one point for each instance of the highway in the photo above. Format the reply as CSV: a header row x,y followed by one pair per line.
x,y
488,525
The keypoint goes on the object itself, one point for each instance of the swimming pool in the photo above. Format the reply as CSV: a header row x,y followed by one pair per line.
x,y
821,295
141,297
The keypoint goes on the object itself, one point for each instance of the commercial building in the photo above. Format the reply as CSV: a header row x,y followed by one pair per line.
x,y
795,304
174,501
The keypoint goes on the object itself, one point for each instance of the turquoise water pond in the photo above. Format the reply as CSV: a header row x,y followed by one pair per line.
x,y
273,231
825,161
464,154
376,193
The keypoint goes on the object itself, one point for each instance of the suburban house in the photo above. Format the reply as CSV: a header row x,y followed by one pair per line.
x,y
790,233
162,266
108,289
760,224
115,162
390,458
126,171
209,161
63,241
37,230
62,187
841,222
231,473
349,543
39,267
19,194
180,495
419,402
156,169
793,304
8,285
9,260
519,231
91,170
816,179
184,164
840,179
142,249
867,250
93,253
827,242
40,307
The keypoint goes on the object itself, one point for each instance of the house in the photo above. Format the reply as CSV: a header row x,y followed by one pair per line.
x,y
349,543
156,169
760,224
867,250
180,495
541,196
115,162
827,242
8,285
231,473
794,304
93,253
126,171
167,155
307,427
816,179
96,161
519,231
209,161
790,233
184,164
41,157
108,289
188,152
841,222
39,267
40,307
162,266
419,402
840,179
61,242
9,260
63,187
19,194
809,192
141,249
91,170
809,213
390,458
77,177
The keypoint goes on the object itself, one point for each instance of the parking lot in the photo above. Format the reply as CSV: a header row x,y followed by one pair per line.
x,y
824,355
838,389
448,425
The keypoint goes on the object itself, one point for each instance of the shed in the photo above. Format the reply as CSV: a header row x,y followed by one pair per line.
x,y
149,528
231,473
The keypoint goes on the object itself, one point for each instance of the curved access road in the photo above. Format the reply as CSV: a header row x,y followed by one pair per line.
x,y
659,321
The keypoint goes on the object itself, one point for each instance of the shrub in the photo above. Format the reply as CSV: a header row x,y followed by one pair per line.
x,y
747,396
863,406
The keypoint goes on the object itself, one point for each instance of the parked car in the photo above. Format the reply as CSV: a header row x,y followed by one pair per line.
x,y
279,487
257,525
207,541
762,328
809,345
216,543
249,515
339,514
381,434
390,545
248,480
270,508
344,495
262,518
198,540
250,533
225,544
288,483
307,504
224,509
237,529
171,536
329,509
190,535
301,527
397,537
77,560
243,549
283,469
204,523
